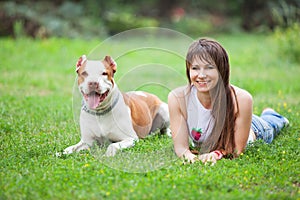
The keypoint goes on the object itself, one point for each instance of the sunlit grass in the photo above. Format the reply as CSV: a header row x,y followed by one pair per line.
x,y
36,86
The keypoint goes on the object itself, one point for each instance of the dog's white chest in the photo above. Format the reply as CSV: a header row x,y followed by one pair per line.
x,y
114,125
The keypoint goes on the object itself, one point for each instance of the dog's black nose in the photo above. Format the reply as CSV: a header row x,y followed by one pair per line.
x,y
93,85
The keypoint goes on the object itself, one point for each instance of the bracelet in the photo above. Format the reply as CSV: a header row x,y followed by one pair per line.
x,y
219,154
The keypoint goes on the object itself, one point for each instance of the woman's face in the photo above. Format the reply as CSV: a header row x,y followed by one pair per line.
x,y
204,76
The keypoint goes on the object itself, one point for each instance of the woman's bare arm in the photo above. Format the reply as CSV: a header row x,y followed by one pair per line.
x,y
179,127
243,120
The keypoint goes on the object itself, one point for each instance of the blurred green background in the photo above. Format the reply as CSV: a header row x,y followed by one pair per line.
x,y
100,19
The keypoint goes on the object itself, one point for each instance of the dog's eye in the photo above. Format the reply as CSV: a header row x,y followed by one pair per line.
x,y
84,74
104,74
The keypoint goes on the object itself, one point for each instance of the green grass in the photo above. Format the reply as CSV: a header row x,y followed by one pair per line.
x,y
37,121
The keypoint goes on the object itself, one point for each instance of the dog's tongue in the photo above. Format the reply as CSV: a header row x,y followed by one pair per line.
x,y
93,100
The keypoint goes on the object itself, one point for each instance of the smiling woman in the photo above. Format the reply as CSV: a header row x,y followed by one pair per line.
x,y
213,114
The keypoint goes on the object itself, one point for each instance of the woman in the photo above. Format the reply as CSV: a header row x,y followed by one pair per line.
x,y
212,114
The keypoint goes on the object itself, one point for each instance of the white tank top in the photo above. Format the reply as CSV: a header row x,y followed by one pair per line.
x,y
199,119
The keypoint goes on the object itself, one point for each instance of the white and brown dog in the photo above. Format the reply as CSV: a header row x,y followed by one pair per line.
x,y
109,115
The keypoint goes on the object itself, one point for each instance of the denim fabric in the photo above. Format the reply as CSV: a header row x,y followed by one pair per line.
x,y
268,125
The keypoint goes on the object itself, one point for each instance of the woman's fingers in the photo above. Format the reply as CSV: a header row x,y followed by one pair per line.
x,y
208,158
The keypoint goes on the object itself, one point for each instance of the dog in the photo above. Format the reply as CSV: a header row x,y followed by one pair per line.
x,y
108,114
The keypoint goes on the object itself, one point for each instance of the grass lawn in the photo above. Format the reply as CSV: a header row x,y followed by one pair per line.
x,y
39,118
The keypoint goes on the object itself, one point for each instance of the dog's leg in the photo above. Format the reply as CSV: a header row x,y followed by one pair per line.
x,y
76,148
114,147
162,120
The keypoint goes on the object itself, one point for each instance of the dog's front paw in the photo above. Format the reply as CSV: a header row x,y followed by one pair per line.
x,y
112,149
76,148
69,150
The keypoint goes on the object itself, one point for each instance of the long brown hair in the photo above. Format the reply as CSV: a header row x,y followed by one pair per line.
x,y
223,110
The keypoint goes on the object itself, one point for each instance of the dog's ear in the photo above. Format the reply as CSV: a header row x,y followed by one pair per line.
x,y
111,63
80,62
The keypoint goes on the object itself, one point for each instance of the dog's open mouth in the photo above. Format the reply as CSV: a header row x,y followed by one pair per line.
x,y
95,98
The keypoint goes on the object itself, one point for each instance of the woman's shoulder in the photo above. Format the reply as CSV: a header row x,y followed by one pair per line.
x,y
242,93
243,97
180,92
177,99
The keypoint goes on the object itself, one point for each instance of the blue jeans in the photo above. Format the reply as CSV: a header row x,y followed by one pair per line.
x,y
268,125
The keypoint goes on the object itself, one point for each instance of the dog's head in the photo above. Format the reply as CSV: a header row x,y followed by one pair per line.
x,y
95,79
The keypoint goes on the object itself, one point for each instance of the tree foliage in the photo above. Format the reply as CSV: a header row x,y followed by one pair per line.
x,y
87,18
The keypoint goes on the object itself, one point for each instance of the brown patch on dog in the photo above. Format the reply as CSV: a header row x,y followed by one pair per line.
x,y
110,63
139,106
110,66
81,73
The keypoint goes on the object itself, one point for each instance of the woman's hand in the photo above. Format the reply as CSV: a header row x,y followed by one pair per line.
x,y
189,157
211,157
